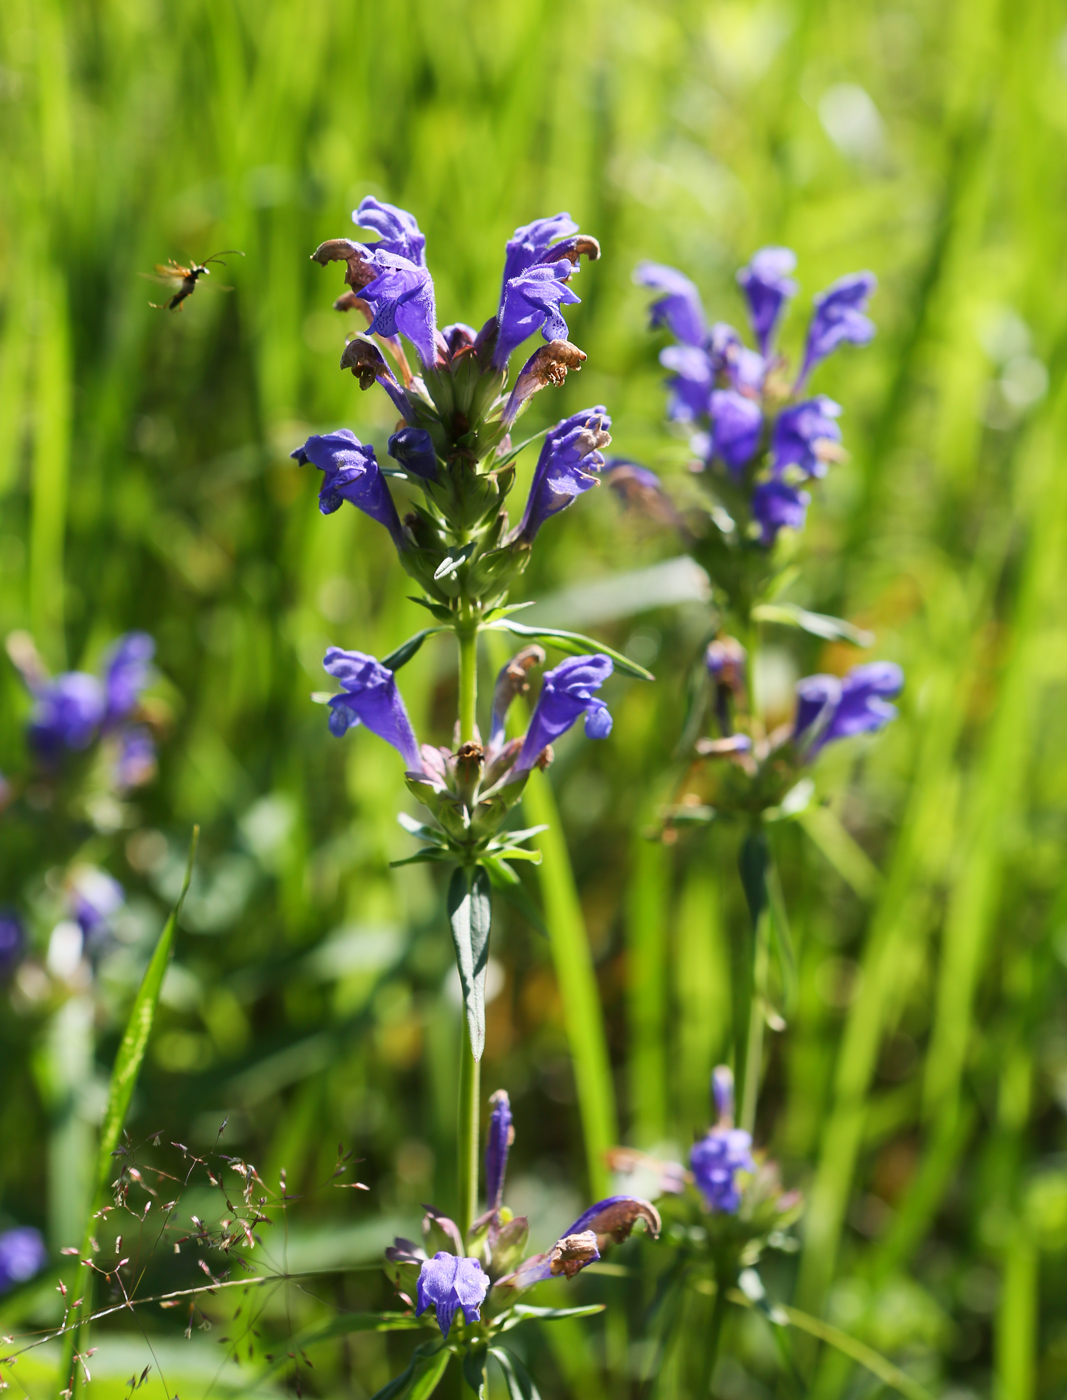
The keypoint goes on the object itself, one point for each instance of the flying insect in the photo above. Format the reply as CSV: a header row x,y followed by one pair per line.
x,y
184,279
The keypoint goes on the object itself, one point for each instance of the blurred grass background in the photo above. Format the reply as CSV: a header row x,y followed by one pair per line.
x,y
917,1096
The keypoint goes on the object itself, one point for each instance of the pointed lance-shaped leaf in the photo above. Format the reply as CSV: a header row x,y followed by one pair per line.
x,y
469,913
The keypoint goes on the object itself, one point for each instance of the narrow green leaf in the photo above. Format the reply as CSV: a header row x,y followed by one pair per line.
x,y
516,1377
752,864
474,1369
469,912
783,939
423,857
831,629
439,610
524,1312
406,650
414,827
513,452
873,1361
421,1376
508,885
505,610
572,643
138,1028
518,853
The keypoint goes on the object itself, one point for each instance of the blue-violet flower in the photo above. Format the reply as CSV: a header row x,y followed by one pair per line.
x,y
567,693
370,696
447,1283
350,473
829,707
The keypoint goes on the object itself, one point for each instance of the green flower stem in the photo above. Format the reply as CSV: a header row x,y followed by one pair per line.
x,y
467,637
468,1136
756,1020
468,1125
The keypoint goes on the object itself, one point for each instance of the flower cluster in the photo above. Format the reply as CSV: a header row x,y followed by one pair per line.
x,y
75,710
452,444
759,437
487,1269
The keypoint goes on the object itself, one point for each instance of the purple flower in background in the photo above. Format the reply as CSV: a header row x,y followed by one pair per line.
x,y
531,302
370,696
413,449
776,505
350,473
690,384
743,368
722,1093
398,231
126,673
402,298
12,941
22,1254
800,430
68,713
736,428
94,897
838,318
681,309
136,762
831,708
529,244
501,1136
569,464
448,1283
715,1160
567,693
767,287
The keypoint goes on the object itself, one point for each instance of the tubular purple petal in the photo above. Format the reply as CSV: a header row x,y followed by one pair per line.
x,y
398,231
775,506
531,302
722,1092
829,708
68,713
501,1136
736,428
767,287
413,449
402,299
351,473
126,673
447,1284
370,696
681,309
800,430
528,245
567,693
839,318
715,1161
569,463
690,384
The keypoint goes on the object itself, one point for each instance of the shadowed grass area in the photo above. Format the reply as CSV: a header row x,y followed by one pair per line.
x,y
915,1095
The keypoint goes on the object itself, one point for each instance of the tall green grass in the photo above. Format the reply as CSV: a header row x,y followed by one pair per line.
x,y
144,481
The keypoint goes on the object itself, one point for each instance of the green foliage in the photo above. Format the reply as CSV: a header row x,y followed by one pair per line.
x,y
914,1095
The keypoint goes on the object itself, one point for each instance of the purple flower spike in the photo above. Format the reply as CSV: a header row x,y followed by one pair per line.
x,y
12,941
567,693
767,287
681,309
501,1136
370,696
22,1254
529,244
839,318
829,708
126,674
714,1161
531,302
569,464
398,231
736,428
402,298
413,449
69,711
351,473
775,506
690,384
448,1283
800,433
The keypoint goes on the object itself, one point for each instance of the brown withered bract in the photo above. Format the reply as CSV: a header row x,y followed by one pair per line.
x,y
184,279
360,273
